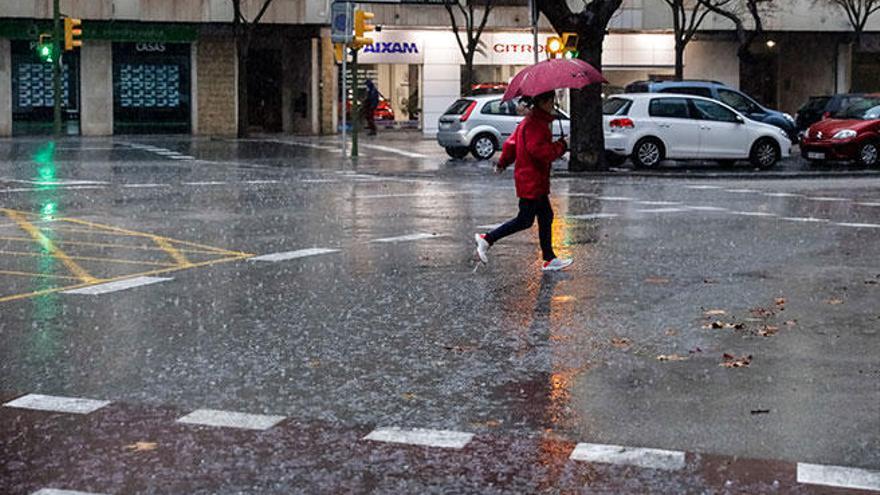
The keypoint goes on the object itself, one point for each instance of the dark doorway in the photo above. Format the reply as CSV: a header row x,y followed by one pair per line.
x,y
758,79
264,90
866,72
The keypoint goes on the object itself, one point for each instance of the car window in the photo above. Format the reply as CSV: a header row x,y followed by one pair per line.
x,y
689,90
709,110
675,108
861,108
816,104
738,101
616,106
498,107
459,107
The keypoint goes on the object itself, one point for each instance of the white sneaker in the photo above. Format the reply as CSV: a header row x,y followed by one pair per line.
x,y
557,264
482,247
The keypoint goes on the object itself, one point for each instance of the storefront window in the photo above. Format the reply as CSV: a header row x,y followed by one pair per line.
x,y
33,95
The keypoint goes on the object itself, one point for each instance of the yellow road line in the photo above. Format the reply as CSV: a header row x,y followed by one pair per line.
x,y
123,277
151,236
102,244
49,246
38,275
89,258
174,253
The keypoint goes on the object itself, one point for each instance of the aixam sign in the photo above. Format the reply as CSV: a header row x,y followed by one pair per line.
x,y
393,47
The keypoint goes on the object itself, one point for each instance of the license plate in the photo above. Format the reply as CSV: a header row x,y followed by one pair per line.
x,y
812,155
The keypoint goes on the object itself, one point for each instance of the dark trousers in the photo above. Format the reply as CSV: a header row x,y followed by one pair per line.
x,y
370,116
528,210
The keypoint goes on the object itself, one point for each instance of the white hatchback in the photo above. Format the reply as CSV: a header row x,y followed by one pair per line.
x,y
650,128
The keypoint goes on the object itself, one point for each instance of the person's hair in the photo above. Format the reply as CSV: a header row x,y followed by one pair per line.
x,y
543,97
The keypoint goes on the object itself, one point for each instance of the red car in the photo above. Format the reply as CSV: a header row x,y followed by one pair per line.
x,y
853,133
383,110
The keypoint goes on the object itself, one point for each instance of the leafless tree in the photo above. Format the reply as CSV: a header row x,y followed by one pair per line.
x,y
590,23
472,30
740,12
687,15
244,31
857,12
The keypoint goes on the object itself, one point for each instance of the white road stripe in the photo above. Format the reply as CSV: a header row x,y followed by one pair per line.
x,y
318,181
129,283
868,204
289,255
753,213
231,419
410,237
661,210
181,157
658,203
741,191
166,152
806,219
262,181
57,491
702,186
826,198
592,216
859,225
139,186
52,403
669,460
782,195
614,198
205,183
389,149
578,195
444,439
837,476
706,208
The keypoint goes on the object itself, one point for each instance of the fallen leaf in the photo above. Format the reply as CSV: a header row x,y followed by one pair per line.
x,y
671,357
621,342
408,395
142,446
790,323
563,298
671,332
834,301
762,312
715,312
656,280
491,423
731,361
780,301
768,330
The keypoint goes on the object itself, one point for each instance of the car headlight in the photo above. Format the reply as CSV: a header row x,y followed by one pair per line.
x,y
789,118
844,134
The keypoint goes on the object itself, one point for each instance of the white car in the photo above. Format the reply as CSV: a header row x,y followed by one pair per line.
x,y
650,128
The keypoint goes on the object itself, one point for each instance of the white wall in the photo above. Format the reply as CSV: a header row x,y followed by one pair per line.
x,y
96,98
714,60
5,88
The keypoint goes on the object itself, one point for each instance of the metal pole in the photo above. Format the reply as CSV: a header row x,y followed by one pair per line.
x,y
56,67
344,94
533,11
355,105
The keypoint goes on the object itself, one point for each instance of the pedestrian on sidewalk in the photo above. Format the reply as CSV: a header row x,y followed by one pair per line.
x,y
371,101
532,149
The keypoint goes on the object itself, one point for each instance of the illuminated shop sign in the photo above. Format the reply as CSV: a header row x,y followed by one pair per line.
x,y
391,47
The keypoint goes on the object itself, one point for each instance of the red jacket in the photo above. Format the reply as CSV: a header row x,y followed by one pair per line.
x,y
531,146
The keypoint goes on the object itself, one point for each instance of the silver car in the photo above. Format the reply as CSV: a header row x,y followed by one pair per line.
x,y
480,124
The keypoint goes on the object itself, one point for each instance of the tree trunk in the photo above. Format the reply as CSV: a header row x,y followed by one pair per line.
x,y
587,134
242,83
467,78
679,61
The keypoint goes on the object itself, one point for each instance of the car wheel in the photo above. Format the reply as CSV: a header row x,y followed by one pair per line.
x,y
483,146
456,152
648,153
765,153
868,154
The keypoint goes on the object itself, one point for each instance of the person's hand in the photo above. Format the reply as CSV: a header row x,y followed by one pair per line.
x,y
498,168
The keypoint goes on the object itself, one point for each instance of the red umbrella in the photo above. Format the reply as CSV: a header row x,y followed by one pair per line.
x,y
549,75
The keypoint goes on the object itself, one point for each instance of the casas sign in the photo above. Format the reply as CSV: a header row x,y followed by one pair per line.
x,y
150,47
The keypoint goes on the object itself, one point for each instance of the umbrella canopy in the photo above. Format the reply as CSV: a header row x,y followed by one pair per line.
x,y
549,75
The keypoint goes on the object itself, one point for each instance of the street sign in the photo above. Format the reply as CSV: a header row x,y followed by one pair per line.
x,y
341,14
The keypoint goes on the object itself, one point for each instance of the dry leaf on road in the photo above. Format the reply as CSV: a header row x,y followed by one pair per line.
x,y
780,301
142,446
715,312
671,357
731,361
768,330
834,301
621,342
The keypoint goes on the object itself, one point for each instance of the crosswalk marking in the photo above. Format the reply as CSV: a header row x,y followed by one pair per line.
x,y
116,286
289,255
231,419
859,225
419,436
404,238
52,403
837,476
669,460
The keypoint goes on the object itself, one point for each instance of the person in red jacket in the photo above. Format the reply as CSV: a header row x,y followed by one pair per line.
x,y
533,150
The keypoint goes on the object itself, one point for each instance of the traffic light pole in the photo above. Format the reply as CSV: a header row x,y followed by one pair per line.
x,y
355,104
56,67
344,94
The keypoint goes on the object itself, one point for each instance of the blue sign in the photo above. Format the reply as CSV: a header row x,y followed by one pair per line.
x,y
391,47
341,22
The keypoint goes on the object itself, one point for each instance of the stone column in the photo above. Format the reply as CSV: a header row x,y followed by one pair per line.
x,y
217,104
96,88
329,86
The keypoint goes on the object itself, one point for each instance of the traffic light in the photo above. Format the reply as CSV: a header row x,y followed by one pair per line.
x,y
72,33
46,49
360,27
562,46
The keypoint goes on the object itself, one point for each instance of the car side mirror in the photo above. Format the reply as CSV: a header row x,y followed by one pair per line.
x,y
740,120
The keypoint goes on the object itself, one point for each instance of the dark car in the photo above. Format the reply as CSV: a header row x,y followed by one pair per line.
x,y
822,107
850,134
716,90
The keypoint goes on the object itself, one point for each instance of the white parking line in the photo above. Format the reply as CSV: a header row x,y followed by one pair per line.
x,y
52,403
261,182
669,460
181,157
868,204
837,476
592,216
408,154
129,283
661,210
806,219
139,186
782,195
658,203
57,491
705,208
859,225
702,186
289,255
403,238
753,213
825,198
205,183
230,419
444,439
614,198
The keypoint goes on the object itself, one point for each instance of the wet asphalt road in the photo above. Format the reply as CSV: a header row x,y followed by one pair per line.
x,y
393,327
